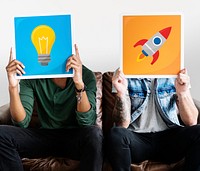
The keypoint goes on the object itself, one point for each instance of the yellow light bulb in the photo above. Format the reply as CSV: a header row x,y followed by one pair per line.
x,y
43,38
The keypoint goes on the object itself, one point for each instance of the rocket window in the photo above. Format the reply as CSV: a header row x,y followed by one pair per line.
x,y
157,41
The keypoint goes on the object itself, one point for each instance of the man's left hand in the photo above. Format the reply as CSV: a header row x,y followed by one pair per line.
x,y
74,62
182,82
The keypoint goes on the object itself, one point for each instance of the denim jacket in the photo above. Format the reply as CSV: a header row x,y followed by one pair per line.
x,y
165,98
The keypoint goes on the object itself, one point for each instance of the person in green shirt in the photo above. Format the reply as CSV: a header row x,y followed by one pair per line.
x,y
67,113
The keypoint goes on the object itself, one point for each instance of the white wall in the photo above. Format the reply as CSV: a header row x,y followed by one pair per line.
x,y
97,30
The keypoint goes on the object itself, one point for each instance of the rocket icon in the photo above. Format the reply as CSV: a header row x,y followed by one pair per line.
x,y
151,47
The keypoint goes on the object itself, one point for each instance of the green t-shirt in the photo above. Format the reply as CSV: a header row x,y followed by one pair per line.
x,y
57,106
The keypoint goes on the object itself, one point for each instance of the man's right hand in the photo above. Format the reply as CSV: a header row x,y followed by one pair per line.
x,y
14,67
120,83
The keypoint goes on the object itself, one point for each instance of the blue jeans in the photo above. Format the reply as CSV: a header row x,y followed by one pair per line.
x,y
84,144
125,147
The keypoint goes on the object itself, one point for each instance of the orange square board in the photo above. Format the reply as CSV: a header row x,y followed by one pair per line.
x,y
152,45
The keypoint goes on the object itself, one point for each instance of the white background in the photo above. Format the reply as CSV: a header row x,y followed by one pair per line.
x,y
97,30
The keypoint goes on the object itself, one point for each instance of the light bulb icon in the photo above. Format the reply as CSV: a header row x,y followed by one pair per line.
x,y
43,38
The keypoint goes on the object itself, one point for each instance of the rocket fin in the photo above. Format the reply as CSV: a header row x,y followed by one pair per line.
x,y
141,42
155,57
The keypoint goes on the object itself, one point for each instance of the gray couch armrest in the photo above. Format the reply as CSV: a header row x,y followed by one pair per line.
x,y
5,114
197,104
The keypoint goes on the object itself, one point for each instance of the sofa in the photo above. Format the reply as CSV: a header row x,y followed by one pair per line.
x,y
105,101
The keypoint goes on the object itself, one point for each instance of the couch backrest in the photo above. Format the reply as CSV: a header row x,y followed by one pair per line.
x,y
108,101
99,81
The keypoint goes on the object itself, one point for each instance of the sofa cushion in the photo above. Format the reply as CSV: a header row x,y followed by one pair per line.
x,y
50,164
157,166
151,166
